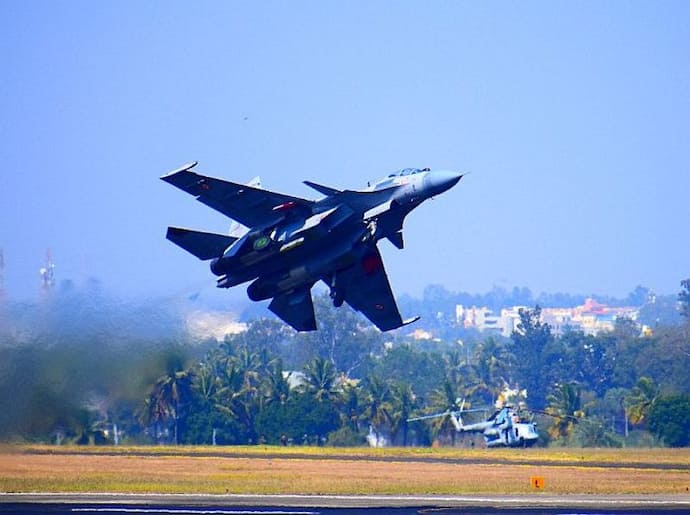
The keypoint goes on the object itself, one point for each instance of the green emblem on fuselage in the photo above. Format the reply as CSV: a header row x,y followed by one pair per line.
x,y
261,242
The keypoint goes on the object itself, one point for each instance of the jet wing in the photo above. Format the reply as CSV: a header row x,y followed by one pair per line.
x,y
248,205
366,288
296,308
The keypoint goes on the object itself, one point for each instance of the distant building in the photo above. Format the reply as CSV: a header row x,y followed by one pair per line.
x,y
483,319
591,318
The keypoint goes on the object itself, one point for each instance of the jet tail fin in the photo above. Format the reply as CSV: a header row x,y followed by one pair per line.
x,y
204,245
397,239
237,230
324,190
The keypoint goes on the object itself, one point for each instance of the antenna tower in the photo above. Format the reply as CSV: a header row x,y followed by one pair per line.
x,y
48,273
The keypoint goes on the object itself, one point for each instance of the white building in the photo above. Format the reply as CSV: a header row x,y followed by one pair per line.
x,y
591,318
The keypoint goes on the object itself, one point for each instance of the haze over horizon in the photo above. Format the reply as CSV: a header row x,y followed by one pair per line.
x,y
573,119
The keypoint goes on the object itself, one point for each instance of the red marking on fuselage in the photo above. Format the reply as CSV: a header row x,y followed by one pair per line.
x,y
371,264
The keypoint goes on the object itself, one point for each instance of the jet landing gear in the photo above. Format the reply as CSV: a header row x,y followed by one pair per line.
x,y
337,296
370,232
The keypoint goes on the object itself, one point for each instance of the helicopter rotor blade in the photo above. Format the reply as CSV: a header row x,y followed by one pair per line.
x,y
427,417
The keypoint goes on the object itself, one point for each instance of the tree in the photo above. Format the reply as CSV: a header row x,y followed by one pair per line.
x,y
233,401
592,432
268,334
403,401
168,395
343,338
641,400
320,377
638,296
377,401
588,360
423,370
445,399
613,407
492,361
350,402
275,386
684,298
669,420
565,408
530,347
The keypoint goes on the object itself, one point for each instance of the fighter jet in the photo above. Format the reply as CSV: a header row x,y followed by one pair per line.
x,y
288,243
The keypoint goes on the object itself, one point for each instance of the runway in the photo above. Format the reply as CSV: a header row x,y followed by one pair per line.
x,y
184,504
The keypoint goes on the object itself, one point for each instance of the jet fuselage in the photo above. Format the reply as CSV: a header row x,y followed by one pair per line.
x,y
302,249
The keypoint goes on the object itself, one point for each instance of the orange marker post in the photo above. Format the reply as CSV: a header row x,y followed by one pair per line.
x,y
537,482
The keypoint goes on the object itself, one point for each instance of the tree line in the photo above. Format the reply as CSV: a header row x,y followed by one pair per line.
x,y
347,383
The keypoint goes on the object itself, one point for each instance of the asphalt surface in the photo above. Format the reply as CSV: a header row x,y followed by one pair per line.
x,y
182,504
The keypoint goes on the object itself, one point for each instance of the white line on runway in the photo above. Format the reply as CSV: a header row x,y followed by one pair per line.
x,y
192,512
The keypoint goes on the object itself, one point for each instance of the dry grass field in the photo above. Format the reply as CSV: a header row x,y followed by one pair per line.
x,y
271,470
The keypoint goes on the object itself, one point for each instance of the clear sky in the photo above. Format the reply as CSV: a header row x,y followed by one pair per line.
x,y
573,117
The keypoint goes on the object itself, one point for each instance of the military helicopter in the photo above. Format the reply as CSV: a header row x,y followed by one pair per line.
x,y
504,428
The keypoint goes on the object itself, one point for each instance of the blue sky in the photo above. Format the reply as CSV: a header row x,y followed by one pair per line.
x,y
574,119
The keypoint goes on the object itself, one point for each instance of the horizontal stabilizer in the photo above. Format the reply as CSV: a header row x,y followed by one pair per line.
x,y
204,245
324,190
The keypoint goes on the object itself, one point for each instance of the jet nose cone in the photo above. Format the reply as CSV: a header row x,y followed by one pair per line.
x,y
440,181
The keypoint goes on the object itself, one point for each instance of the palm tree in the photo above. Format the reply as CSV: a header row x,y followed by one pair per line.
x,y
169,392
456,366
250,364
205,382
275,386
321,379
351,400
445,399
492,360
565,408
241,379
378,407
641,400
231,397
403,402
